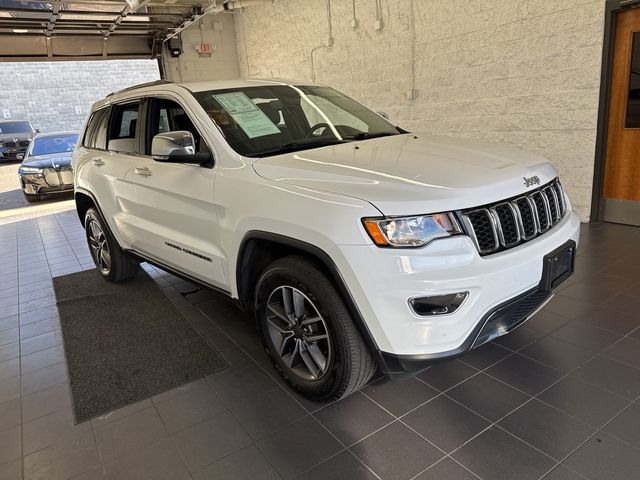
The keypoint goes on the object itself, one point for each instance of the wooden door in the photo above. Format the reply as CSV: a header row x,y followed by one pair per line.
x,y
621,192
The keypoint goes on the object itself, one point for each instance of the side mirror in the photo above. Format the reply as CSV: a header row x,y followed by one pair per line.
x,y
37,130
178,147
384,115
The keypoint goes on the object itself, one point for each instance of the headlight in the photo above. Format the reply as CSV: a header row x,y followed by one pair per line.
x,y
30,170
411,231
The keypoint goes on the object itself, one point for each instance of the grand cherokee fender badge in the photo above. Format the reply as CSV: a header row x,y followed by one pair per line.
x,y
190,252
531,181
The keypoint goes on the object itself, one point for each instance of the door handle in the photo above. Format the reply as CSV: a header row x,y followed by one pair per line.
x,y
97,162
145,172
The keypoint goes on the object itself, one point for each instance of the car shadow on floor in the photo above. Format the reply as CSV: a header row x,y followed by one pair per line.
x,y
13,199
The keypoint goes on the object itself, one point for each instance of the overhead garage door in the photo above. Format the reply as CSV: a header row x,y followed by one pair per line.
x,y
91,29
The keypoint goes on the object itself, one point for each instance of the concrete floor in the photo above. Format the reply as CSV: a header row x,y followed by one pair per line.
x,y
557,399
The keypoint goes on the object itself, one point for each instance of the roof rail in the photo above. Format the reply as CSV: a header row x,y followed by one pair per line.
x,y
142,85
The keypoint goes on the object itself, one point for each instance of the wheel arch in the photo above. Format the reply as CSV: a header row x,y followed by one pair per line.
x,y
259,248
84,201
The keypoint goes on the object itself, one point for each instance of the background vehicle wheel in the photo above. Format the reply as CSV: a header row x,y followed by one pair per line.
x,y
112,263
31,198
309,332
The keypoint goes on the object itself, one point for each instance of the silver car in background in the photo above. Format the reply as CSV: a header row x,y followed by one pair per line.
x,y
15,136
46,168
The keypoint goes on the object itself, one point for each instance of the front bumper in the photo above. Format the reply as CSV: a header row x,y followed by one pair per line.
x,y
500,321
37,185
13,154
497,284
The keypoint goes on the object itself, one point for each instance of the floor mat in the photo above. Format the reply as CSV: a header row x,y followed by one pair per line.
x,y
125,342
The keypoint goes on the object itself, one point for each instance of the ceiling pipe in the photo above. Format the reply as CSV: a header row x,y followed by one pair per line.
x,y
215,8
231,5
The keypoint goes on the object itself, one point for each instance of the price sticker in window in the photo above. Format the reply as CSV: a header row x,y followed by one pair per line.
x,y
247,115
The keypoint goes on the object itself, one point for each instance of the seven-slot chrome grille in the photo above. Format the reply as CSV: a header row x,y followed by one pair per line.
x,y
503,225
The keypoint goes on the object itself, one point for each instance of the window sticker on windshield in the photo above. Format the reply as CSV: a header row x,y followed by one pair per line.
x,y
236,102
256,124
247,115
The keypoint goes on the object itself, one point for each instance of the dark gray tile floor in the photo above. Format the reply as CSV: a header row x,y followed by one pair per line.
x,y
557,399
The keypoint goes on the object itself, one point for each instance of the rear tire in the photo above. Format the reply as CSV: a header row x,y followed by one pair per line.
x,y
309,332
112,263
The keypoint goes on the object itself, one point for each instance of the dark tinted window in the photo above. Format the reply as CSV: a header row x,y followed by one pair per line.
x,y
96,133
123,127
15,127
52,144
633,105
124,121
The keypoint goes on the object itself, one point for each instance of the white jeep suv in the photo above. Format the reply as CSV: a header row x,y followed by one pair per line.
x,y
358,245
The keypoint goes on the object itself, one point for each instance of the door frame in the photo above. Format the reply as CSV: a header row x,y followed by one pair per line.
x,y
612,8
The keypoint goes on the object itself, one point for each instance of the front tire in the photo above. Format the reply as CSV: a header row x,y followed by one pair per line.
x,y
112,263
31,198
309,332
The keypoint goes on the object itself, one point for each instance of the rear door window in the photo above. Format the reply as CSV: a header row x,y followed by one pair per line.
x,y
95,136
123,128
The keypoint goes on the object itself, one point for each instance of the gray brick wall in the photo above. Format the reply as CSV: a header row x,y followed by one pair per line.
x,y
524,72
47,93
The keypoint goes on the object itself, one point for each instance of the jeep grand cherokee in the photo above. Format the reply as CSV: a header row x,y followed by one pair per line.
x,y
357,244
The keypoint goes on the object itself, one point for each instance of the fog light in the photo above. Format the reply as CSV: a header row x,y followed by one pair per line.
x,y
438,305
30,189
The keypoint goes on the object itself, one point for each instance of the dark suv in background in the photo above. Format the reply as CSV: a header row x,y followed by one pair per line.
x,y
15,136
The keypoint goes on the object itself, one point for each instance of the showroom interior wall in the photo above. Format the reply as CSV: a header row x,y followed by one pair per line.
x,y
525,72
221,63
58,95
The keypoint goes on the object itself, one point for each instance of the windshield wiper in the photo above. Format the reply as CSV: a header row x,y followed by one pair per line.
x,y
367,135
295,146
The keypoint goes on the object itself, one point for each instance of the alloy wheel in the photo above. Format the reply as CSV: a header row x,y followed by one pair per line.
x,y
99,246
299,333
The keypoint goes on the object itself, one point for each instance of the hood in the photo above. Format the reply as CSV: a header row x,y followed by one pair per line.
x,y
412,173
56,161
9,137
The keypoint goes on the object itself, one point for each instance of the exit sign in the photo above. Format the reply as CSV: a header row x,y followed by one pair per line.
x,y
205,48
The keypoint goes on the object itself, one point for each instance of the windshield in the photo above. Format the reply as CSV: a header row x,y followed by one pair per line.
x,y
15,127
54,144
269,120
